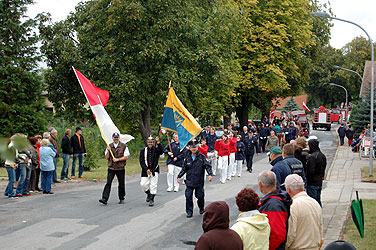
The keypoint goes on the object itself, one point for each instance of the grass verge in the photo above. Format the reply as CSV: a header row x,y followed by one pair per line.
x,y
351,232
365,175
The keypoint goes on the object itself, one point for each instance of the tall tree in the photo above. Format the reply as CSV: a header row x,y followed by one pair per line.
x,y
134,48
360,115
21,105
291,105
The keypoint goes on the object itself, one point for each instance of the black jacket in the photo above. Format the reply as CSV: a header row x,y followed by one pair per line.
x,y
250,145
240,148
281,170
195,169
210,141
152,160
65,145
75,145
316,164
175,147
296,167
342,131
350,133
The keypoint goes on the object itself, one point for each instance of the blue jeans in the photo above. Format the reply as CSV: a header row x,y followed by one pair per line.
x,y
64,170
27,180
46,179
9,191
315,193
21,180
80,158
54,172
200,195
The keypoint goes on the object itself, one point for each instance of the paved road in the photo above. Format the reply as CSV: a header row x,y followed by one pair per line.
x,y
72,218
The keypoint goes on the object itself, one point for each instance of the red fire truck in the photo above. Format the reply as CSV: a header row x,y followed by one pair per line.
x,y
321,118
336,116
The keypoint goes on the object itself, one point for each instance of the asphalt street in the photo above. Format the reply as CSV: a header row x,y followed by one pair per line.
x,y
72,218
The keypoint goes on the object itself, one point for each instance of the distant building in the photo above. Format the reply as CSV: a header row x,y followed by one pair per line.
x,y
279,103
366,86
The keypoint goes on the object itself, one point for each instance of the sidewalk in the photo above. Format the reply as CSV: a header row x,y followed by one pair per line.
x,y
342,180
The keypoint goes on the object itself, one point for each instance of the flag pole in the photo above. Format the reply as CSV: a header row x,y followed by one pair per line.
x,y
104,137
168,138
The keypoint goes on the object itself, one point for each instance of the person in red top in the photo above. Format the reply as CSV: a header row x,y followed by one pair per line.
x,y
223,147
231,166
203,148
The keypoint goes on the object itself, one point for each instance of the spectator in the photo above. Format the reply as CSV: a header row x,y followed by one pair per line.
x,y
46,165
294,164
305,222
10,166
280,168
53,140
37,169
23,158
272,141
217,234
342,133
251,225
315,172
79,151
276,205
301,150
239,155
34,164
350,134
66,152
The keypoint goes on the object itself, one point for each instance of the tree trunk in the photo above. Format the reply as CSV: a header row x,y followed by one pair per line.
x,y
242,112
227,117
144,117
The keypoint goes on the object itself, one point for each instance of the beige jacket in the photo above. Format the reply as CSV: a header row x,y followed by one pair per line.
x,y
305,223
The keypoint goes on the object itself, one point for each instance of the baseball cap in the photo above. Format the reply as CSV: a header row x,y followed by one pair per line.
x,y
293,180
115,135
276,150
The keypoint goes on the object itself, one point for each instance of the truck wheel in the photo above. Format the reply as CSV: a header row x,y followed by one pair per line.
x,y
328,128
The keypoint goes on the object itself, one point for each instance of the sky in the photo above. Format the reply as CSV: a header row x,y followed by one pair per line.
x,y
360,12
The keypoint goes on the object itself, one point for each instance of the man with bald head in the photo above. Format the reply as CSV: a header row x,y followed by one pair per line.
x,y
276,204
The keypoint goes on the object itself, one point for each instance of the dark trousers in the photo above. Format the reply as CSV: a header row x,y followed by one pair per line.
x,y
263,144
249,160
315,192
200,195
120,175
342,140
37,175
33,176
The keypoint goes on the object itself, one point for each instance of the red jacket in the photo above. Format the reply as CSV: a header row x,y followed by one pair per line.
x,y
222,147
204,150
233,142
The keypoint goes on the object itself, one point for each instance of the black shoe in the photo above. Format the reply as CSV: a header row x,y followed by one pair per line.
x,y
44,192
151,202
148,196
56,181
202,210
103,201
39,190
189,216
120,202
49,192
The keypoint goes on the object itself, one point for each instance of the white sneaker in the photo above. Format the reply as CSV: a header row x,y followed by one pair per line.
x,y
169,189
222,182
176,189
233,175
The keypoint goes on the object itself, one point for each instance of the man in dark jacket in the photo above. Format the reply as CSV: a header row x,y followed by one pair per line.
x,y
239,155
217,234
174,163
264,133
210,141
342,133
195,165
149,157
294,164
251,144
350,134
276,204
315,171
291,133
79,151
280,168
117,155
66,152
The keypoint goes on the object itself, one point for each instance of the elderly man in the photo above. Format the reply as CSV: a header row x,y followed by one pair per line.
x,y
276,204
116,166
305,222
149,157
280,168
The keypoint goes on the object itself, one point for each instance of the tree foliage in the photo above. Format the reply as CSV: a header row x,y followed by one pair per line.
x,y
21,105
360,115
291,105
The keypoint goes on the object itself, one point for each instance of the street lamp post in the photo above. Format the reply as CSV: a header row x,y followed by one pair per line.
x,y
346,104
326,15
361,78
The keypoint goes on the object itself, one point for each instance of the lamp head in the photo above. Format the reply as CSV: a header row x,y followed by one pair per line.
x,y
336,67
320,14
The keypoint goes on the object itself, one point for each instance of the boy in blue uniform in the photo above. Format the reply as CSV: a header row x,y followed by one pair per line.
x,y
194,166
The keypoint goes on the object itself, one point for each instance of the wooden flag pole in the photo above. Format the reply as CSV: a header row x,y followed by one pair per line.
x,y
104,137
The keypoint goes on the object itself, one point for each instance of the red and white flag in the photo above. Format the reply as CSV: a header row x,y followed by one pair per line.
x,y
306,108
97,99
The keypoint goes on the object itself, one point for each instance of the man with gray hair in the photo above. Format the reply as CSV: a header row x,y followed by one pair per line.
x,y
276,204
305,222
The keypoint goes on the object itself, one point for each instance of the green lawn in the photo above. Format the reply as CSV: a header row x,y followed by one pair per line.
x,y
351,233
365,174
132,167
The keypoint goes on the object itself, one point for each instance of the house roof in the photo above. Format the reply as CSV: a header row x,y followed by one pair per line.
x,y
367,78
280,103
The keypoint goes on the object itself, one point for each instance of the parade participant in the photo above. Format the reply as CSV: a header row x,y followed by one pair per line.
x,y
251,144
264,133
53,140
223,148
212,153
280,168
244,133
116,166
203,148
206,132
251,225
305,227
292,133
66,152
194,165
272,141
231,166
78,152
294,164
149,157
315,171
239,156
276,205
278,131
350,134
174,163
46,165
217,234
342,133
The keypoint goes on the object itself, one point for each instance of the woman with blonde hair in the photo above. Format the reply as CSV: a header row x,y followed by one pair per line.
x,y
47,166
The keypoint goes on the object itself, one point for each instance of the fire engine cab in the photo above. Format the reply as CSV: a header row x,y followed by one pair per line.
x,y
336,116
321,118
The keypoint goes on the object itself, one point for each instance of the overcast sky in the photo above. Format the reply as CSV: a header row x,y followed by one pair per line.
x,y
361,12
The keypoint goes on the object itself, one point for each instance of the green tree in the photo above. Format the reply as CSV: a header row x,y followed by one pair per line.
x,y
134,48
360,115
22,109
291,105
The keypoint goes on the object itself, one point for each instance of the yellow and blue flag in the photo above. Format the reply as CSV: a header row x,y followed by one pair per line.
x,y
176,118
